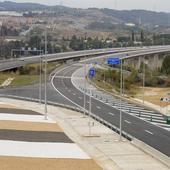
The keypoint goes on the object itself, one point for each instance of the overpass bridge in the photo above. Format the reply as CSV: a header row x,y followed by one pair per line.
x,y
96,54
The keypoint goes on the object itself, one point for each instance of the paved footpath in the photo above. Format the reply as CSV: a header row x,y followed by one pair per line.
x,y
28,141
102,145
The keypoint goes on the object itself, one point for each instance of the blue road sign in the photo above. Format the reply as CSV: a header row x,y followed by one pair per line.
x,y
91,72
113,61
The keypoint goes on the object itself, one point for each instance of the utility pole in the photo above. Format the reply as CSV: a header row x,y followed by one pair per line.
x,y
45,109
121,86
40,80
144,80
85,88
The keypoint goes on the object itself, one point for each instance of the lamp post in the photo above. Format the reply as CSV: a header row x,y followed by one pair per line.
x,y
121,86
40,80
45,72
85,89
144,68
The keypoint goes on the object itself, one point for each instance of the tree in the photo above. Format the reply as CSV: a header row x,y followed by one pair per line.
x,y
142,36
166,65
133,36
76,43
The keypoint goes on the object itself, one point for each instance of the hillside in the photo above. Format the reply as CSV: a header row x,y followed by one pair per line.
x,y
147,18
13,6
94,21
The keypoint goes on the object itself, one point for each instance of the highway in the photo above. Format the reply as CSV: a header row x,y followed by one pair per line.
x,y
63,91
152,135
14,63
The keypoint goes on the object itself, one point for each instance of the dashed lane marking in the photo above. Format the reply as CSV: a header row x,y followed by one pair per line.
x,y
98,107
112,114
149,132
128,122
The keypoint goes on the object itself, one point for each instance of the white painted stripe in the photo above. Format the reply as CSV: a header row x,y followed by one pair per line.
x,y
156,123
149,132
128,122
74,94
98,107
80,97
149,116
25,118
112,114
154,120
167,129
41,150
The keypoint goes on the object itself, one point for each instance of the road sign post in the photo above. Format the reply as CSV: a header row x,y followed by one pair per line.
x,y
91,74
118,61
113,61
165,100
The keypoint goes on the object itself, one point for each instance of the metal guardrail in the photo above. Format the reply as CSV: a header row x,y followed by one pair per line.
x,y
93,116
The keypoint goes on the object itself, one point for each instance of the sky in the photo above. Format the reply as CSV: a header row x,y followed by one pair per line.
x,y
154,5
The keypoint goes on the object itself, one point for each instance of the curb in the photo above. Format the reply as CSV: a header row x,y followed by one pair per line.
x,y
151,151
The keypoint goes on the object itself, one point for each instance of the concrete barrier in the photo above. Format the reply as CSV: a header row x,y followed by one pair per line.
x,y
151,151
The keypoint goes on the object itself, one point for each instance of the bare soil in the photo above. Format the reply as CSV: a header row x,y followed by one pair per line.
x,y
16,163
153,95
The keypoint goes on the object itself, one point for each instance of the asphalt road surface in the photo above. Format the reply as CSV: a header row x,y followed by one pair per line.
x,y
152,135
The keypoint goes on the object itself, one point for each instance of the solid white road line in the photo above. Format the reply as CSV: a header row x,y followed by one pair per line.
x,y
149,132
41,150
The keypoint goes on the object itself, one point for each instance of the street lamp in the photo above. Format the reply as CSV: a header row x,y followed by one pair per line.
x,y
85,89
45,72
40,80
144,73
121,86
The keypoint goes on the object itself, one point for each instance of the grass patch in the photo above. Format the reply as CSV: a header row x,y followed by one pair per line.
x,y
3,77
26,75
23,80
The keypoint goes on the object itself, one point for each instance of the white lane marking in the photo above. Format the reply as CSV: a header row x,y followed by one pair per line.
x,y
128,122
98,107
149,132
25,118
112,114
41,150
80,98
74,94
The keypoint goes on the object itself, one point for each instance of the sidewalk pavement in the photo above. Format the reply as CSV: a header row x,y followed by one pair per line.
x,y
102,145
28,141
